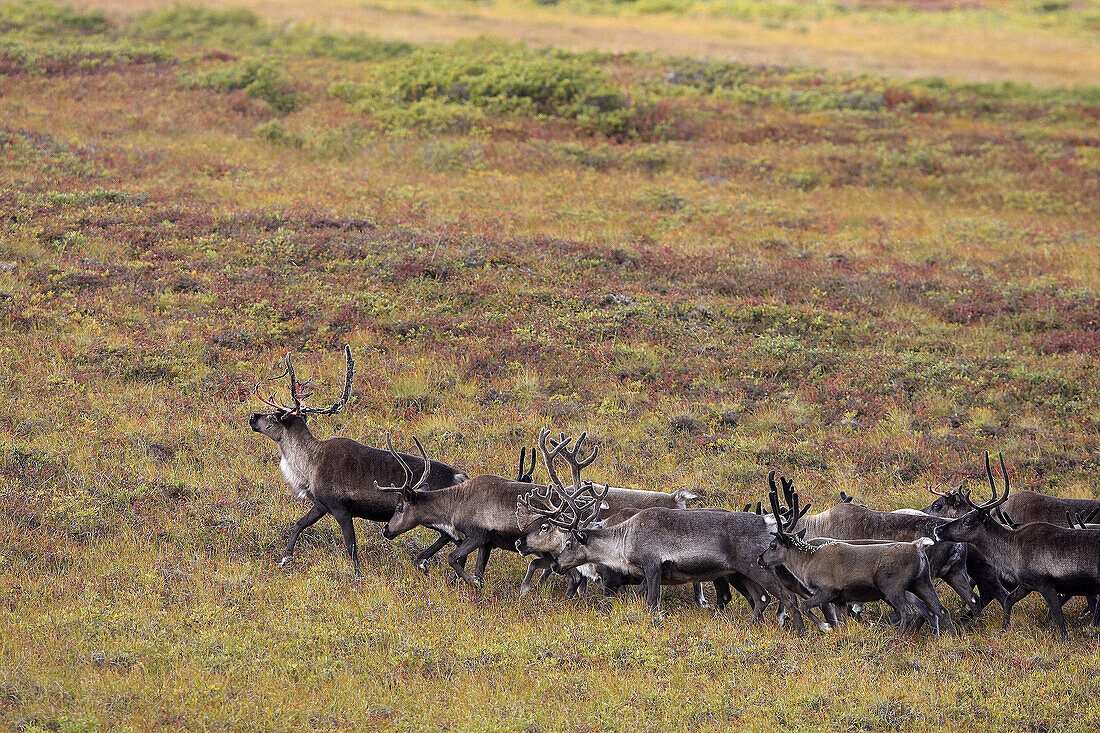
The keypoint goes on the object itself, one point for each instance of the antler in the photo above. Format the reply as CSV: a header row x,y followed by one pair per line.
x,y
298,390
932,489
788,490
548,456
575,465
405,488
773,499
995,501
526,473
338,405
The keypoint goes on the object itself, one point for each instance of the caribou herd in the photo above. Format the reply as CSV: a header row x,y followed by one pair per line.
x,y
777,553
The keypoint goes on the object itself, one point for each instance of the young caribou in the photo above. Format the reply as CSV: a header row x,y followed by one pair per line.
x,y
838,572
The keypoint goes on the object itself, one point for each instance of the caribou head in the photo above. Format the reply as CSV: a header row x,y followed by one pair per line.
x,y
980,517
948,504
554,515
276,424
405,515
785,539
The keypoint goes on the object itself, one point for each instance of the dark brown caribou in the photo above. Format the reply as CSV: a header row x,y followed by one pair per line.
x,y
337,476
1055,561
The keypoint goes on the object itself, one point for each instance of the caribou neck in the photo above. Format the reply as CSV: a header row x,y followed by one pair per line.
x,y
298,441
994,541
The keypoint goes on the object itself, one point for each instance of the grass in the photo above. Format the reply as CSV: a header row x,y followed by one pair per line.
x,y
862,281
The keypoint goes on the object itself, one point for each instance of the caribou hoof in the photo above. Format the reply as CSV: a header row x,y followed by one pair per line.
x,y
475,582
286,560
704,603
422,566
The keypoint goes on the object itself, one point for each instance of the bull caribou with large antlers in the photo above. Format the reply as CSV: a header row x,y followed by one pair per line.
x,y
1055,561
337,476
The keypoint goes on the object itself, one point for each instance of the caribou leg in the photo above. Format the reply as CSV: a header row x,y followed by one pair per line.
x,y
1055,606
926,592
311,518
430,551
700,596
542,562
457,558
1018,594
347,528
985,578
482,560
653,586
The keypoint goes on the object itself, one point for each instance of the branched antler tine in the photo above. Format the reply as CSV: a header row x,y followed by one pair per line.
x,y
1071,522
275,379
771,484
788,489
1092,515
759,509
548,456
932,489
969,502
747,507
404,469
792,520
545,511
401,461
1004,472
427,465
270,402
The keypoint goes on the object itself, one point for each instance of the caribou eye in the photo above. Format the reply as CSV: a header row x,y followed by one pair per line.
x,y
546,528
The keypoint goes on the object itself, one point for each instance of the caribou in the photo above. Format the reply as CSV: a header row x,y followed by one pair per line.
x,y
337,475
658,546
547,537
838,572
850,521
1057,562
1023,506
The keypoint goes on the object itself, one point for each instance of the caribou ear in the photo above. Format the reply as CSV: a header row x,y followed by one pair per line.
x,y
800,534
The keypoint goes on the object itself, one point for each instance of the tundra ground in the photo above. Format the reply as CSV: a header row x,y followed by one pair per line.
x,y
715,268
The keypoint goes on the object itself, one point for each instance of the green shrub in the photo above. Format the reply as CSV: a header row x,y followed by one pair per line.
x,y
277,134
258,79
351,47
189,23
444,87
42,18
79,55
